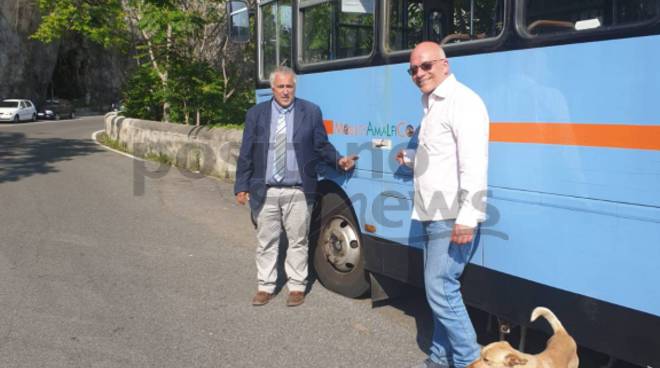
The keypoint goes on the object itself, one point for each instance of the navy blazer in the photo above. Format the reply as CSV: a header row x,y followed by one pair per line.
x,y
310,142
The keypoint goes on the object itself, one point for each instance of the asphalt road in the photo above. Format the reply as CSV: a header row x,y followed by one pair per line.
x,y
109,262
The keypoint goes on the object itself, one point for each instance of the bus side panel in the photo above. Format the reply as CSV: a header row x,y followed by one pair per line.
x,y
582,221
612,174
602,249
605,82
608,83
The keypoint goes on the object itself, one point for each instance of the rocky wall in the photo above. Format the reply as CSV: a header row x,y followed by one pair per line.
x,y
26,65
71,68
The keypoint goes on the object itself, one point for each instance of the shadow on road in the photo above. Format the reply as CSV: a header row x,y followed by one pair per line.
x,y
413,303
21,157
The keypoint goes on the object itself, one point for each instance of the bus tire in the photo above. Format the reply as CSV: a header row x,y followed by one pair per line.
x,y
338,252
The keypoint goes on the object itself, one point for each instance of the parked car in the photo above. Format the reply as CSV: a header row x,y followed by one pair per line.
x,y
57,109
16,110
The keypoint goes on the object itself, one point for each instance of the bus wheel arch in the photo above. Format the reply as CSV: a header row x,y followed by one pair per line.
x,y
337,249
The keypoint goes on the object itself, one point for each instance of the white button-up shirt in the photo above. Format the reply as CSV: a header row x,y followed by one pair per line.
x,y
451,161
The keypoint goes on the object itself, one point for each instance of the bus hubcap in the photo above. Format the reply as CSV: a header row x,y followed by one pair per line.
x,y
341,244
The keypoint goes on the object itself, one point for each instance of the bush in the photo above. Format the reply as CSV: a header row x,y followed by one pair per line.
x,y
192,86
143,95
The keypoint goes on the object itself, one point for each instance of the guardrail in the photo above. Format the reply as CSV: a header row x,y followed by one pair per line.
x,y
199,149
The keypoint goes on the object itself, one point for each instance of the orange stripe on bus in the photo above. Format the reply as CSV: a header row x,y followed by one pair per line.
x,y
645,137
328,126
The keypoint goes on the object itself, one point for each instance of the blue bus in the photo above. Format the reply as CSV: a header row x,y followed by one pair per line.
x,y
573,92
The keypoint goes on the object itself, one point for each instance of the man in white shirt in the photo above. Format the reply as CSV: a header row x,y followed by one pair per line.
x,y
450,167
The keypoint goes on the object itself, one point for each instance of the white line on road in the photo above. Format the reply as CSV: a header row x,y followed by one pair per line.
x,y
112,149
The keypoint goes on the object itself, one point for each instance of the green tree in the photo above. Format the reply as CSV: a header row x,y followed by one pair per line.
x,y
198,73
142,95
101,21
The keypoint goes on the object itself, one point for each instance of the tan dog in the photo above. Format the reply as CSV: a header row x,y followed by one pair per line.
x,y
560,350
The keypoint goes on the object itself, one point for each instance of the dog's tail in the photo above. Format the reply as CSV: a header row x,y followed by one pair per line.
x,y
549,316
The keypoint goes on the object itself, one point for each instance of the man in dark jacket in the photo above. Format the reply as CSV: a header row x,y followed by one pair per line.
x,y
283,141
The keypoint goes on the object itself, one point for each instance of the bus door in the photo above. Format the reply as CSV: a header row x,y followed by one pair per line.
x,y
397,130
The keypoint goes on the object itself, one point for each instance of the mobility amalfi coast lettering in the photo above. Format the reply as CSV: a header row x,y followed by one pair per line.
x,y
400,129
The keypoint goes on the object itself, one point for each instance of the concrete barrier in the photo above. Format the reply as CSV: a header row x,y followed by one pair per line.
x,y
209,151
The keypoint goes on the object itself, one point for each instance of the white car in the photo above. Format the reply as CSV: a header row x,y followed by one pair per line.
x,y
17,110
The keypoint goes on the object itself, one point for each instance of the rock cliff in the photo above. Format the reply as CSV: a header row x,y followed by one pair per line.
x,y
70,68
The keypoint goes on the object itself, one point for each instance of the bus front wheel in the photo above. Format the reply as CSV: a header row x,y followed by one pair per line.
x,y
339,255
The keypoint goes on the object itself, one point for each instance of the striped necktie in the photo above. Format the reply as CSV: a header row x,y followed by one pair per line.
x,y
279,168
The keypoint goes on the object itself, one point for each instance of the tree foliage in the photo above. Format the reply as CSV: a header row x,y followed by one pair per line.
x,y
101,21
142,95
186,66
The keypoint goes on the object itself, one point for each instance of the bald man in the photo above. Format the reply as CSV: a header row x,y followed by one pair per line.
x,y
450,165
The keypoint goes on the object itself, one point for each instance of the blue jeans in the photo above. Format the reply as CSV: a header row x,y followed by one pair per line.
x,y
454,339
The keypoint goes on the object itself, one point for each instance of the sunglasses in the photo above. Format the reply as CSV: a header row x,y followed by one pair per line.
x,y
425,66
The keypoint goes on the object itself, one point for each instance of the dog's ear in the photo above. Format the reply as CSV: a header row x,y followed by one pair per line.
x,y
511,360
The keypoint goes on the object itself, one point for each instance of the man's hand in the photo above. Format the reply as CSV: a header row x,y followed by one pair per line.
x,y
400,157
242,197
462,234
347,163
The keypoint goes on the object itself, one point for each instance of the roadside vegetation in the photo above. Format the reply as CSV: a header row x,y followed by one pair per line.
x,y
192,163
107,141
186,70
159,157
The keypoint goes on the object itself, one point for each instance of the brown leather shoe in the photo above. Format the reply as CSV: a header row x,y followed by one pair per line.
x,y
295,298
261,298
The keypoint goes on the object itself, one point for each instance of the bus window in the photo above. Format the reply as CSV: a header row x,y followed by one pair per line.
x,y
336,29
447,22
406,21
275,45
543,17
239,21
435,29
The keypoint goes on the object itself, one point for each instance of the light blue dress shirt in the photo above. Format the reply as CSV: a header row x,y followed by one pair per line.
x,y
292,173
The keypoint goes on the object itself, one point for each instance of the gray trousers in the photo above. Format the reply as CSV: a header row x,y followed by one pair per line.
x,y
284,209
